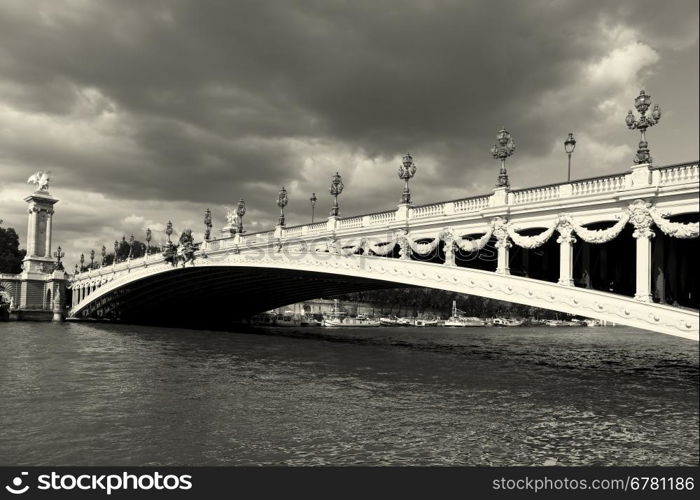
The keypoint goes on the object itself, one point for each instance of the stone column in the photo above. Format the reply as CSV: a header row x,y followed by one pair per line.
x,y
449,250
566,242
49,218
640,218
503,245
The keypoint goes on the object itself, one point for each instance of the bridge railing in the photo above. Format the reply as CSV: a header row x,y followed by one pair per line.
x,y
675,174
667,175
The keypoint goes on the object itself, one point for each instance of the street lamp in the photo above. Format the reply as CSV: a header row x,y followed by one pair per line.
x,y
92,259
407,170
116,249
131,245
59,254
149,236
240,212
282,201
642,103
502,149
569,146
169,231
313,200
207,224
104,255
82,262
336,188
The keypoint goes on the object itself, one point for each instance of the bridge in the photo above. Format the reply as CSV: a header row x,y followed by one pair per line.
x,y
619,248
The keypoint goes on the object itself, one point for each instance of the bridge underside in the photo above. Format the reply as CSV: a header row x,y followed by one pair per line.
x,y
216,296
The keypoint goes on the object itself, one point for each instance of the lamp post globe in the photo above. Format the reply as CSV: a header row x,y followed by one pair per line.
x,y
569,146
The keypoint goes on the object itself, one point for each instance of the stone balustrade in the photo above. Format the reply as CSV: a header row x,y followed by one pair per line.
x,y
671,175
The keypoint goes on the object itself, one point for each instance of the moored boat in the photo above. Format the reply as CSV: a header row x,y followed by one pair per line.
x,y
458,319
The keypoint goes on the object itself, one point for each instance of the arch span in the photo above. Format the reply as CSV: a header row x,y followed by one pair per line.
x,y
227,286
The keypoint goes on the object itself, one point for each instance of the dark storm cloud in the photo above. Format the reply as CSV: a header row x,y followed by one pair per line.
x,y
205,102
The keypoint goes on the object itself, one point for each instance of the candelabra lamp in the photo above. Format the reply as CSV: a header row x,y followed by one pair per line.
x,y
502,149
642,103
240,212
336,188
282,201
407,170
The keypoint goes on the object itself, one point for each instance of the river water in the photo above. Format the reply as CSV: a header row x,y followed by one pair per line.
x,y
101,394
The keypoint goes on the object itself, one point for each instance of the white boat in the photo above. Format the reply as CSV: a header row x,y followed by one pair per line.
x,y
458,319
425,322
388,321
507,322
404,322
350,322
338,318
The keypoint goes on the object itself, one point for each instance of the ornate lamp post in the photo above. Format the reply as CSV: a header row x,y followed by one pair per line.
x,y
92,259
502,149
149,236
569,145
131,246
240,212
104,255
82,262
313,200
282,201
76,270
116,249
169,231
59,254
642,103
207,224
336,188
407,170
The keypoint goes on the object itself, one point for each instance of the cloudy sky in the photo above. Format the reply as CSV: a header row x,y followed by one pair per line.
x,y
146,111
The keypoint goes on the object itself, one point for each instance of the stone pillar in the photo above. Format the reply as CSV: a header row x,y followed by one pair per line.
x,y
503,245
49,218
499,197
38,259
449,250
333,223
403,212
566,242
642,221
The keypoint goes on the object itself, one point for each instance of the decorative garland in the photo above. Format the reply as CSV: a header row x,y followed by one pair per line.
x,y
531,242
675,229
600,235
639,213
424,248
382,248
471,245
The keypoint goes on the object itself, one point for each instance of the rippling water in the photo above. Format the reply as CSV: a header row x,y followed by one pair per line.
x,y
99,394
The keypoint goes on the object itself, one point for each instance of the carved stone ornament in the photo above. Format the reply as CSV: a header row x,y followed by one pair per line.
x,y
566,229
641,219
500,231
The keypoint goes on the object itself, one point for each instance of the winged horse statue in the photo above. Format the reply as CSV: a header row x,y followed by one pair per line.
x,y
41,180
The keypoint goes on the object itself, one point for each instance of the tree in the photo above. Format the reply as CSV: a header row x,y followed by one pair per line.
x,y
10,254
